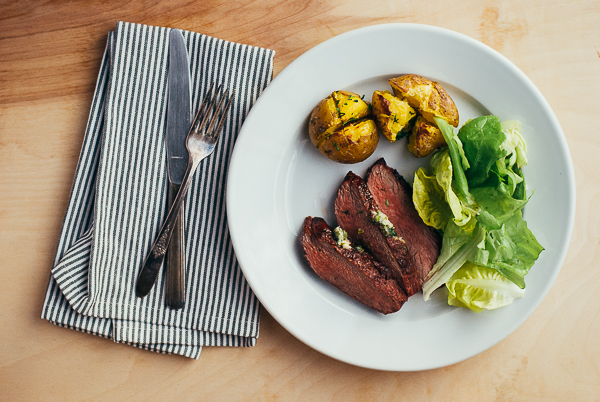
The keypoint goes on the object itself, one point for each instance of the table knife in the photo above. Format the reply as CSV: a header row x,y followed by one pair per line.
x,y
179,118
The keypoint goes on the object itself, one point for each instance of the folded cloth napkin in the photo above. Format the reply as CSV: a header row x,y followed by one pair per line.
x,y
119,200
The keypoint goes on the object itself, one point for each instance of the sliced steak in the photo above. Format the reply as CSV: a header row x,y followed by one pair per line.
x,y
393,195
355,273
355,210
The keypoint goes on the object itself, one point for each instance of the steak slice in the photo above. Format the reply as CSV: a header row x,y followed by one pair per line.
x,y
355,273
393,195
355,210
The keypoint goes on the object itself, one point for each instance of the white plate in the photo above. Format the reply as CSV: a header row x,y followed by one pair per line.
x,y
276,178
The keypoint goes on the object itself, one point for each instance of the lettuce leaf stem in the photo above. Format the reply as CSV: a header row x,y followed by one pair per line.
x,y
441,275
459,174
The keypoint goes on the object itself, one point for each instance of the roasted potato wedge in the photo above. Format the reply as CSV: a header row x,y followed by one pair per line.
x,y
425,138
392,114
428,97
340,129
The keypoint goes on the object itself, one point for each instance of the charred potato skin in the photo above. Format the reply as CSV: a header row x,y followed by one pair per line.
x,y
339,128
427,96
392,114
425,138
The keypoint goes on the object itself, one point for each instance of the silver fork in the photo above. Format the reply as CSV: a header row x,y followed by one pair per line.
x,y
200,143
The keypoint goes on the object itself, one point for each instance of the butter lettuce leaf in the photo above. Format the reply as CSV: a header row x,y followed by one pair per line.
x,y
462,209
441,273
520,192
430,201
507,170
434,197
498,201
454,237
475,195
482,140
480,288
506,174
511,250
515,145
458,157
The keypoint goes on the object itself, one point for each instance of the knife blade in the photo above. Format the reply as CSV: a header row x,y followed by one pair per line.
x,y
179,118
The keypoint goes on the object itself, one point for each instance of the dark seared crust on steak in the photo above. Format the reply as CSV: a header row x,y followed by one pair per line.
x,y
354,273
354,210
393,195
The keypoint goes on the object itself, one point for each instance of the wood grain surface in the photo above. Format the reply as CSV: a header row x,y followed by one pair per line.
x,y
49,58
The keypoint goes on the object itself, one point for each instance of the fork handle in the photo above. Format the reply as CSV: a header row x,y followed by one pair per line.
x,y
156,256
175,264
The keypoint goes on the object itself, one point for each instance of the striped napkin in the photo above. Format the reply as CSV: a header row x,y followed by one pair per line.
x,y
119,201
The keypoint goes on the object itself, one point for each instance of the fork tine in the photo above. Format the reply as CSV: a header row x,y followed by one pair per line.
x,y
202,109
208,112
223,114
217,115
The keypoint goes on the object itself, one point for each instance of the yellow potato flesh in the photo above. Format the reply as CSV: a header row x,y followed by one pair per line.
x,y
418,97
350,106
355,132
392,113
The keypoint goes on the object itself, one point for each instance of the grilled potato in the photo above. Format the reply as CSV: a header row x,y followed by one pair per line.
x,y
425,138
392,115
353,143
340,128
428,97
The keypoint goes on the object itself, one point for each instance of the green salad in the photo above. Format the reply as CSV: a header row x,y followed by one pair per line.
x,y
474,193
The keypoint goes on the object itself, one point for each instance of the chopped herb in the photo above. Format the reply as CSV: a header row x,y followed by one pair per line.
x,y
390,232
350,120
336,146
360,231
362,97
387,202
359,249
346,212
356,100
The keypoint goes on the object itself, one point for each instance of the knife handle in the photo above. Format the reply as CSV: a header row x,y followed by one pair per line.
x,y
156,256
175,263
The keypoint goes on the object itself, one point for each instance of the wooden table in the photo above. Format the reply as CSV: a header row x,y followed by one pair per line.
x,y
49,58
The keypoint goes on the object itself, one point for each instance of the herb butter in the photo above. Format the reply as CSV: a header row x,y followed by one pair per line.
x,y
383,221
